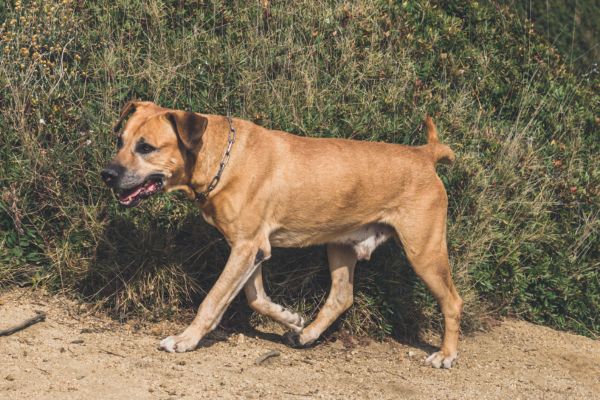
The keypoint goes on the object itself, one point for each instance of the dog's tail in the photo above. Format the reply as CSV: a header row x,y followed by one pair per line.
x,y
441,153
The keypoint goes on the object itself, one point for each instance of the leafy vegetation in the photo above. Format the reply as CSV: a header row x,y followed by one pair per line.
x,y
523,219
571,26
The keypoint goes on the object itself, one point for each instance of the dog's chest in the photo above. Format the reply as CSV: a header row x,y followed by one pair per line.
x,y
208,218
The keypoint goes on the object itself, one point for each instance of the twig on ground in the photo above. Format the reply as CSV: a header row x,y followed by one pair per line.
x,y
267,355
43,370
111,353
41,316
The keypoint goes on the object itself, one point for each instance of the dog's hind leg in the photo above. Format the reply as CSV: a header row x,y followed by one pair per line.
x,y
342,260
422,231
433,268
261,303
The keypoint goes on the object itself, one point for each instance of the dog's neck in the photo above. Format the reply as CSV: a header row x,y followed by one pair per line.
x,y
208,161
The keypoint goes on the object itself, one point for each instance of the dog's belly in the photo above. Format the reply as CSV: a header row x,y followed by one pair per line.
x,y
364,240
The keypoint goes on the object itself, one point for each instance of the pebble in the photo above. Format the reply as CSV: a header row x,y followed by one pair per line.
x,y
241,339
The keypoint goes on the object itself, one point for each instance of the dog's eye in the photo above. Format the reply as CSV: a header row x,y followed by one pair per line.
x,y
144,148
119,142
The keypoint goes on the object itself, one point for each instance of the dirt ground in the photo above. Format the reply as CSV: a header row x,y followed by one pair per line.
x,y
71,356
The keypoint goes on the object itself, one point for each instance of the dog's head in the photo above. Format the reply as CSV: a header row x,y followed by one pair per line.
x,y
155,151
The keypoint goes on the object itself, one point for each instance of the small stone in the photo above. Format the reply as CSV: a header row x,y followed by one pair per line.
x,y
411,353
9,378
182,362
241,339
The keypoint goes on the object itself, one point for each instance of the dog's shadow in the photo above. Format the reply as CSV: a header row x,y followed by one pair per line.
x,y
146,267
149,269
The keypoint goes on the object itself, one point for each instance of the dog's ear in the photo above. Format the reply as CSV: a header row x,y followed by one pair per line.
x,y
127,109
189,128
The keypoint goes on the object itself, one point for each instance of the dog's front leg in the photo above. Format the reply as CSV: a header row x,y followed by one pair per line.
x,y
240,266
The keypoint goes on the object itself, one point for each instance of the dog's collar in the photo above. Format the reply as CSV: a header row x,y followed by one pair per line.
x,y
201,197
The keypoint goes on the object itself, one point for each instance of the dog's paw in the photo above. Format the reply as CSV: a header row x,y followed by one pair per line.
x,y
297,325
294,340
178,344
440,360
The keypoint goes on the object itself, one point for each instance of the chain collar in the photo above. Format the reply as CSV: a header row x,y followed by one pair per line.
x,y
201,197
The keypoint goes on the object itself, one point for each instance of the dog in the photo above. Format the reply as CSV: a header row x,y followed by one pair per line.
x,y
264,188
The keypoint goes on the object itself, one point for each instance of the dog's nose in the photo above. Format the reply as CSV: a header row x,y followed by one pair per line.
x,y
109,176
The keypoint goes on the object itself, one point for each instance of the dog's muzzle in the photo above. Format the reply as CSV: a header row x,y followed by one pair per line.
x,y
128,194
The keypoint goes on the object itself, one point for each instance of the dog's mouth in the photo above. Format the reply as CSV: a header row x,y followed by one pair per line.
x,y
133,196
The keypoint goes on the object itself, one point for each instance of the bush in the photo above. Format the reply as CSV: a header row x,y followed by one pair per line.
x,y
523,218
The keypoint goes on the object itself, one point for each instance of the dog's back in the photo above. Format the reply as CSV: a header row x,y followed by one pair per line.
x,y
341,184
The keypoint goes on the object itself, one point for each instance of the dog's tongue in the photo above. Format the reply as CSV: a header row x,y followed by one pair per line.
x,y
128,197
150,187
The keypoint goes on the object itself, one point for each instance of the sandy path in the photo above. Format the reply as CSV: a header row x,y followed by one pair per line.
x,y
91,357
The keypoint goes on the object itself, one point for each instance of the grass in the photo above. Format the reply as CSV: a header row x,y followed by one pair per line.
x,y
523,218
570,26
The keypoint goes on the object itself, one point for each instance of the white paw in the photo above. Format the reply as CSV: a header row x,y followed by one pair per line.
x,y
180,343
439,360
298,326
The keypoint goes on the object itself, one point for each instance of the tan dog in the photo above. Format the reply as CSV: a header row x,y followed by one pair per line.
x,y
275,189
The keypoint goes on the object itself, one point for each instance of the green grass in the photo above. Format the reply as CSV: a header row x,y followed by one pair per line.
x,y
523,217
571,26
